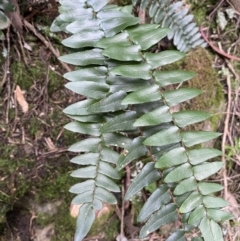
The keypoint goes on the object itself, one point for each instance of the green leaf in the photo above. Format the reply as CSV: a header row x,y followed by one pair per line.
x,y
185,118
82,187
140,29
88,88
114,139
172,158
120,39
159,198
85,172
143,95
95,74
147,37
97,5
79,108
123,53
88,118
177,236
108,155
202,155
86,38
180,199
6,6
97,204
197,215
219,215
207,187
193,201
175,97
74,14
84,221
107,170
83,58
148,175
214,202
210,230
90,129
166,215
79,26
112,22
105,196
110,104
186,185
86,159
5,22
164,78
179,173
165,57
155,117
121,122
105,182
73,4
90,144
205,170
84,197
164,137
142,71
191,138
132,152
118,83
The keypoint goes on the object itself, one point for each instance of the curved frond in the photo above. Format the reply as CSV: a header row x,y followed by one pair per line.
x,y
125,115
174,15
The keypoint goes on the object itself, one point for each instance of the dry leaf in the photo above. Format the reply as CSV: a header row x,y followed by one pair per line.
x,y
104,211
21,99
74,210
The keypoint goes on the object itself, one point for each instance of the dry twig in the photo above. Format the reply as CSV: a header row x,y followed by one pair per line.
x,y
216,49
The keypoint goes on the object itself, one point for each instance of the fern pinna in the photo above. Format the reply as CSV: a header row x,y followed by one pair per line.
x,y
128,106
174,15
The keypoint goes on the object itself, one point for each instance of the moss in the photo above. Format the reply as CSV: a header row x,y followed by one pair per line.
x,y
55,186
15,184
69,137
55,82
107,225
35,126
135,210
121,2
200,9
64,224
26,76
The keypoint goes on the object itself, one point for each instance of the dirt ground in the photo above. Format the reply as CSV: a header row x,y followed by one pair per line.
x,y
34,161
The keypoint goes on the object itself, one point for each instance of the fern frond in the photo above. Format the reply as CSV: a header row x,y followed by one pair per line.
x,y
127,106
184,32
